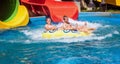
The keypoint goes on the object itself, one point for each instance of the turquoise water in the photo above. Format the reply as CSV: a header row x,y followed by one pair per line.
x,y
24,45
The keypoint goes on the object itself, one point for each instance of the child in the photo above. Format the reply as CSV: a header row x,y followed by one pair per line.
x,y
84,28
66,25
48,25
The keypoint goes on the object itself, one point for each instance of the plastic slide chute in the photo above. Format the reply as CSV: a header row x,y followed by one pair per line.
x,y
113,2
12,14
55,9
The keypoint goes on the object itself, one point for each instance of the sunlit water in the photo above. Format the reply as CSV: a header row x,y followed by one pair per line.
x,y
25,45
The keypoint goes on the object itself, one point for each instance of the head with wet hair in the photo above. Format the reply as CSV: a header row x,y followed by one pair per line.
x,y
48,20
65,19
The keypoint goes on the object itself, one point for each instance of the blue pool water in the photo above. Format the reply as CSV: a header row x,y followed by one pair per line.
x,y
24,45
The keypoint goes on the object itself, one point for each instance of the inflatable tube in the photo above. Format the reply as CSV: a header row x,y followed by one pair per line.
x,y
12,14
63,34
113,2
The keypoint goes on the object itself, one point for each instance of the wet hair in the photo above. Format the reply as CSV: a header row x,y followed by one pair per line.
x,y
48,18
64,17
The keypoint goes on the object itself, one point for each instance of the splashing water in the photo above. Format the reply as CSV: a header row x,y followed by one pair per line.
x,y
36,34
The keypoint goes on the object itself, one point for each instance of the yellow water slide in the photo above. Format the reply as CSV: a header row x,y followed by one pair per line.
x,y
12,14
113,2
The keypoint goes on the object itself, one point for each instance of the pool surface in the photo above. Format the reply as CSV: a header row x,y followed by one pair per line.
x,y
24,45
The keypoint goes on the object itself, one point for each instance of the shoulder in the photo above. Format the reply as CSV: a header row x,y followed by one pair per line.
x,y
46,25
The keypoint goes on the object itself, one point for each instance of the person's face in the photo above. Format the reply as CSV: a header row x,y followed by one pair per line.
x,y
48,21
66,19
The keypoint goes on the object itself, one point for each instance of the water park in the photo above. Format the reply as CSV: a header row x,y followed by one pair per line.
x,y
59,32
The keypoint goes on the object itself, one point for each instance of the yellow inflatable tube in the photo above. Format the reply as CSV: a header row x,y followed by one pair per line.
x,y
113,2
21,19
62,34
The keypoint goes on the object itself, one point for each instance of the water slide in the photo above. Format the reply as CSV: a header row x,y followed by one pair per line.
x,y
12,14
113,2
55,9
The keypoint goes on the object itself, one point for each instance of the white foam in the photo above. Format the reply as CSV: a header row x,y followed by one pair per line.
x,y
33,34
82,39
107,26
80,23
116,32
27,41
